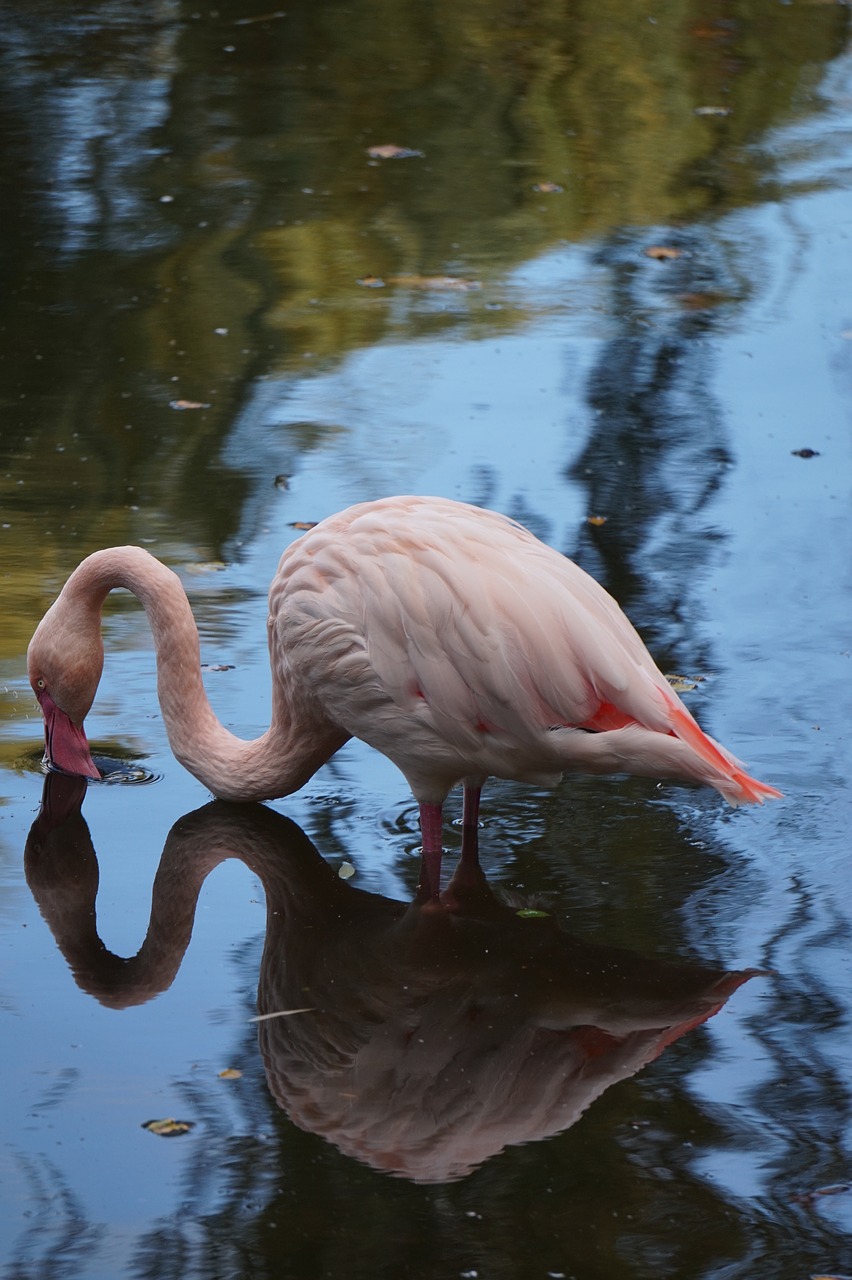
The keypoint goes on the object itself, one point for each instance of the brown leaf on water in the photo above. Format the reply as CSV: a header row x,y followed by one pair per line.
x,y
712,111
702,300
390,151
188,404
804,453
371,282
435,282
230,1073
303,524
684,684
547,188
168,1128
217,666
597,521
718,29
663,252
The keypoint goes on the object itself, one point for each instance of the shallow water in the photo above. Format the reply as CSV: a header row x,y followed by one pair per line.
x,y
192,361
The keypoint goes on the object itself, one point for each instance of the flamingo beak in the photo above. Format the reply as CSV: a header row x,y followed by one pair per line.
x,y
66,748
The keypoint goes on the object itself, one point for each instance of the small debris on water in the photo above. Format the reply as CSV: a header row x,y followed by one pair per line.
x,y
684,684
663,252
281,1013
168,1128
390,151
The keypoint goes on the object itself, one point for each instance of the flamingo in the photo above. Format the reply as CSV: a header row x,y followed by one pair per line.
x,y
444,635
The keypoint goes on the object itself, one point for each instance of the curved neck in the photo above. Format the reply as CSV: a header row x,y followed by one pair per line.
x,y
275,764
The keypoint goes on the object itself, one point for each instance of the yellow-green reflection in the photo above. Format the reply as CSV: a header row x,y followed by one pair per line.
x,y
204,206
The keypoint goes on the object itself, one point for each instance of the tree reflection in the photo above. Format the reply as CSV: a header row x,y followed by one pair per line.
x,y
190,204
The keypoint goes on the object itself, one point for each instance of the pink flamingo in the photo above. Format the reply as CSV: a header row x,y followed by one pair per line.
x,y
445,636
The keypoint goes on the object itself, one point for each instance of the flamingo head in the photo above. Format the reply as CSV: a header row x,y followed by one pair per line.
x,y
64,664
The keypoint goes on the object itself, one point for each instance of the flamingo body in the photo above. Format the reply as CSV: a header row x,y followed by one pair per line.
x,y
445,636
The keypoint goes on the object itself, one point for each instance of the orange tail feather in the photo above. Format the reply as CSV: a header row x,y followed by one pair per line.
x,y
752,791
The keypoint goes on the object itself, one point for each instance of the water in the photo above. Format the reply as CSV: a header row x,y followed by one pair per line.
x,y
190,362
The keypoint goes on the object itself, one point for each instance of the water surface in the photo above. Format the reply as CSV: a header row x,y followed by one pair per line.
x,y
223,317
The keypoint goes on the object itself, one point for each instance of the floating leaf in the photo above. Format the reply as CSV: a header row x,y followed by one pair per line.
x,y
712,111
713,30
529,913
230,1073
684,684
435,282
597,521
261,17
547,188
187,404
371,282
703,300
804,453
282,482
663,252
217,666
303,524
390,151
346,871
168,1128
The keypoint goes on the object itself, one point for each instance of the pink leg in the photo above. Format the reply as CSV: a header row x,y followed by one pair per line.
x,y
470,812
432,828
468,888
431,831
471,827
468,877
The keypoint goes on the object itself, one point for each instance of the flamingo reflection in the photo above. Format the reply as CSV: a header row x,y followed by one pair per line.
x,y
436,1035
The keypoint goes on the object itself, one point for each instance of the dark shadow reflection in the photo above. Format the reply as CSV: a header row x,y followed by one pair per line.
x,y
434,1036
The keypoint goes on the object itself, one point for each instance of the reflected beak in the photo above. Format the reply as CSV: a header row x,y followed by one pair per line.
x,y
66,747
61,798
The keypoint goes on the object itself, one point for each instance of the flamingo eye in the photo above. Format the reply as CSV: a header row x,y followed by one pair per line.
x,y
40,682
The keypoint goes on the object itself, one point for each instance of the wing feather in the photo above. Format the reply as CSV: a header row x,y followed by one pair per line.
x,y
452,639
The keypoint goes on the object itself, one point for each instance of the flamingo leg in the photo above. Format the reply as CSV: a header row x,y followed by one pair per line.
x,y
431,831
468,874
470,824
